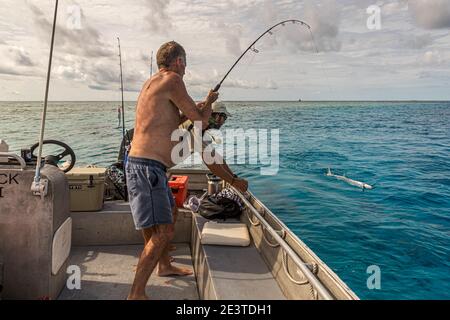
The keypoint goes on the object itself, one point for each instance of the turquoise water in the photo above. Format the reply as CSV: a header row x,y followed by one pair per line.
x,y
403,225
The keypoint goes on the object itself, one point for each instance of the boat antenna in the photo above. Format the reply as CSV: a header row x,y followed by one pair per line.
x,y
121,89
252,48
40,187
151,65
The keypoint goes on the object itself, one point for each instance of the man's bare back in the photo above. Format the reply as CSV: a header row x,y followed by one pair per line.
x,y
156,118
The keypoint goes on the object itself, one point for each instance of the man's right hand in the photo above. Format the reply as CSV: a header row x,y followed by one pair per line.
x,y
212,97
240,184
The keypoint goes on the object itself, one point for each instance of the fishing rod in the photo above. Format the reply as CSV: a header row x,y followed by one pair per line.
x,y
252,48
121,88
124,132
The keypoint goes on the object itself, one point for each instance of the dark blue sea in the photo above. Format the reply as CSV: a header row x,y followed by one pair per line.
x,y
402,148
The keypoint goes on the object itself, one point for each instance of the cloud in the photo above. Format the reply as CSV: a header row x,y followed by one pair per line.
x,y
432,58
101,77
83,56
251,18
9,70
431,14
70,73
145,57
322,16
416,42
439,75
324,20
247,84
85,62
232,33
17,62
21,57
267,12
99,87
13,70
271,84
395,7
85,41
158,20
205,82
196,79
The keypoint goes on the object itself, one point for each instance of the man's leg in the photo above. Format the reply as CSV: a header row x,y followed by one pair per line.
x,y
172,247
147,234
159,236
164,265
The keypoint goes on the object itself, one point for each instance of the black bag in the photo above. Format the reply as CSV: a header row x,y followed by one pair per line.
x,y
219,208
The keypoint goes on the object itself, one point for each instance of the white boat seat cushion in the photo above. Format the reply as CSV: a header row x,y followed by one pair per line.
x,y
225,234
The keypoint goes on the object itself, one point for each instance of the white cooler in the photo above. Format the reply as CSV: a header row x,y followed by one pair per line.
x,y
87,187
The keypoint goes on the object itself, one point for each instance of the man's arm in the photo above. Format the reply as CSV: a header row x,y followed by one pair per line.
x,y
219,167
184,102
222,170
183,118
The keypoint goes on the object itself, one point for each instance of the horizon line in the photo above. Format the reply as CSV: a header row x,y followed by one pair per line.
x,y
134,101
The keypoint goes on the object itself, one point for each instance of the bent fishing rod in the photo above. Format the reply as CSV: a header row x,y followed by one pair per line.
x,y
251,47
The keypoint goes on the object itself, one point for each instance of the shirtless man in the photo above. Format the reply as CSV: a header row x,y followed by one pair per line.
x,y
152,204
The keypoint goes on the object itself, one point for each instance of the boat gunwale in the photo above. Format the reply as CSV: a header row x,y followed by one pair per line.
x,y
345,288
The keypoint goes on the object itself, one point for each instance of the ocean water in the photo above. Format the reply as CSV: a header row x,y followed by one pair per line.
x,y
402,226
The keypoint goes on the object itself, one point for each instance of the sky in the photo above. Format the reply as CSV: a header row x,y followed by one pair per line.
x,y
360,49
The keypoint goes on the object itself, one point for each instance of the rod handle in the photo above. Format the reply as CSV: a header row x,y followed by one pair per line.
x,y
216,88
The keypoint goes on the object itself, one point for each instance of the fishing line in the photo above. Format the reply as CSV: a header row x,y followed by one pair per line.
x,y
250,62
327,78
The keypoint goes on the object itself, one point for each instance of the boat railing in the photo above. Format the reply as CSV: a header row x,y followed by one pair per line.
x,y
22,163
317,288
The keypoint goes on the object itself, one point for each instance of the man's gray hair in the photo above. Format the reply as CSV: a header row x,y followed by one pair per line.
x,y
168,53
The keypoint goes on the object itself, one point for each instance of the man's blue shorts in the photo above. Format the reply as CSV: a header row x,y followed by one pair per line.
x,y
151,199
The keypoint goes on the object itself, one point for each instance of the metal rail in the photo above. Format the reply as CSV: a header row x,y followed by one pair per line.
x,y
37,186
318,286
22,163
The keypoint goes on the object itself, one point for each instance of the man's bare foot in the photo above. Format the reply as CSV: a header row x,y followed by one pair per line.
x,y
172,247
144,297
174,271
